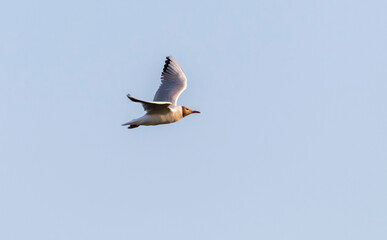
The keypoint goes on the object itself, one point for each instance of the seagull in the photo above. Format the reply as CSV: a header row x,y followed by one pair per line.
x,y
164,109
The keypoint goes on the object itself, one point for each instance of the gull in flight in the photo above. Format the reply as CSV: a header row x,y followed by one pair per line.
x,y
164,109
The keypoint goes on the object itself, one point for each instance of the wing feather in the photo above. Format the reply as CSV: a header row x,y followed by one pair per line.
x,y
173,82
152,107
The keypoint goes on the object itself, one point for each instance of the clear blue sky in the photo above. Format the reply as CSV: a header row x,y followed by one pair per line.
x,y
291,142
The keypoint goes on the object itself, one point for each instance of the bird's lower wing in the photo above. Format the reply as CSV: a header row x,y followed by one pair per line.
x,y
152,106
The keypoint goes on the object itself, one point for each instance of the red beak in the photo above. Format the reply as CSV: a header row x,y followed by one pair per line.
x,y
195,112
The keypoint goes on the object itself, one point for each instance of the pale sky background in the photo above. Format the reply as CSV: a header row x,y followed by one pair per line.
x,y
291,142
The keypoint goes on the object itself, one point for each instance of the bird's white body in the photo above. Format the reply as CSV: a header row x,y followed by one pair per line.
x,y
149,119
164,109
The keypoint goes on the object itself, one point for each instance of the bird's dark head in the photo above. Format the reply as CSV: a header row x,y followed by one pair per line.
x,y
187,111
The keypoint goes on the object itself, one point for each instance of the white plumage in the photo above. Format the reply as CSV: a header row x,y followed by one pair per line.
x,y
164,109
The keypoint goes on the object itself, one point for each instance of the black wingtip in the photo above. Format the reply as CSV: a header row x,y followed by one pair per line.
x,y
166,63
132,98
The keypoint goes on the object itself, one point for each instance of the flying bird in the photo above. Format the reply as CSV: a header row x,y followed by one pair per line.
x,y
164,109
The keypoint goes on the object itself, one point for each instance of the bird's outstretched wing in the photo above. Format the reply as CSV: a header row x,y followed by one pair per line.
x,y
173,82
152,107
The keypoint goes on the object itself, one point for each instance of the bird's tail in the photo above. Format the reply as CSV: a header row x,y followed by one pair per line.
x,y
126,124
136,121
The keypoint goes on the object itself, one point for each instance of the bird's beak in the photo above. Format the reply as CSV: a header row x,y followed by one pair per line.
x,y
195,112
